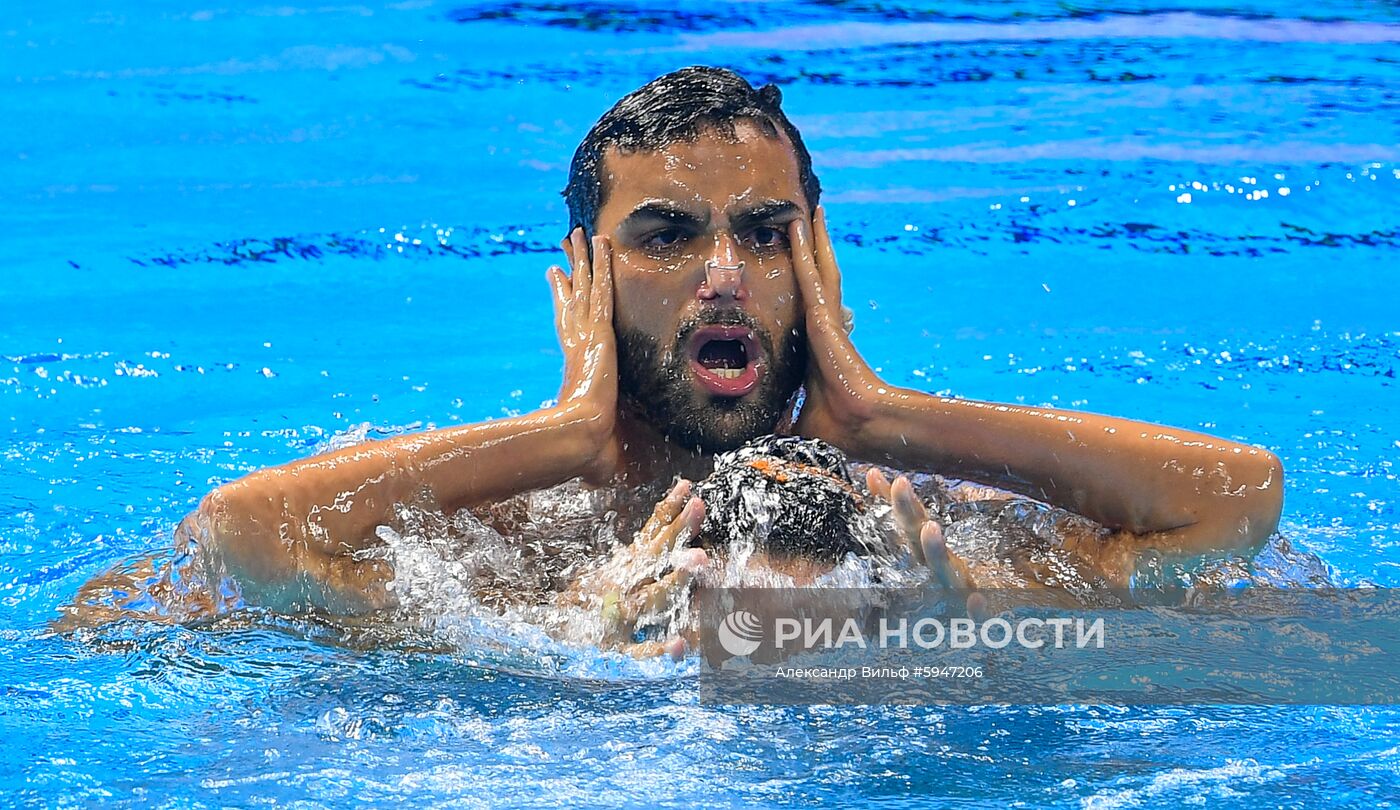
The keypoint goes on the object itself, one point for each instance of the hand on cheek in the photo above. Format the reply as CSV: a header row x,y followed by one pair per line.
x,y
583,318
842,390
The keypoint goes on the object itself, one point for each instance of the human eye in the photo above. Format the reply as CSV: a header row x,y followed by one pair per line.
x,y
768,237
663,239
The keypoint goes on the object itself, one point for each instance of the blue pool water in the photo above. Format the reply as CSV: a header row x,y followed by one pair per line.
x,y
232,234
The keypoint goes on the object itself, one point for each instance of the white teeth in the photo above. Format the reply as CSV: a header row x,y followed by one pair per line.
x,y
729,373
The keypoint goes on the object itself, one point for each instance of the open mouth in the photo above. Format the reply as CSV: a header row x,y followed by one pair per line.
x,y
726,360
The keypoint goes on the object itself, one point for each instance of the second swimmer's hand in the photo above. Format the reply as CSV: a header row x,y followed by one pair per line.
x,y
643,584
583,319
919,536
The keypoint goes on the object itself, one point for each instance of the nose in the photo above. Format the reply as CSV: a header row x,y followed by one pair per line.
x,y
724,272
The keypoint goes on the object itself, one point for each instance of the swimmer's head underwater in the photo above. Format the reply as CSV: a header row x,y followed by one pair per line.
x,y
786,495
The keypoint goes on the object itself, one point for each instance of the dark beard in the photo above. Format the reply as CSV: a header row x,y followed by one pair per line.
x,y
662,392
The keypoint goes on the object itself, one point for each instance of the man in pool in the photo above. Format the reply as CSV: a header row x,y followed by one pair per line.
x,y
700,307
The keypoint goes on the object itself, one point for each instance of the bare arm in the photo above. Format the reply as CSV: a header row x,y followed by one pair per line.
x,y
293,536
1184,493
1180,492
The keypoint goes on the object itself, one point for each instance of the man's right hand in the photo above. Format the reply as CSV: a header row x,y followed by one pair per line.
x,y
583,319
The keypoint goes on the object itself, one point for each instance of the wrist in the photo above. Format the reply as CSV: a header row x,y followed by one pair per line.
x,y
880,430
853,426
589,439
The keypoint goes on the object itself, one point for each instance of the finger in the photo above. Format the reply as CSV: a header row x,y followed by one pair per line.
x,y
674,648
945,566
602,281
666,511
805,266
685,526
691,559
909,513
877,483
655,598
583,272
562,289
562,285
576,251
666,532
826,258
977,608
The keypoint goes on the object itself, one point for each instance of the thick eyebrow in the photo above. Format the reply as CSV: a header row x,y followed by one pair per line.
x,y
663,210
765,211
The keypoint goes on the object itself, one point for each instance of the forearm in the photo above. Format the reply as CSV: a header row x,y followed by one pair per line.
x,y
1190,492
288,528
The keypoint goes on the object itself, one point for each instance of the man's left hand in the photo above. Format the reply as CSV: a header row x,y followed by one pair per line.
x,y
842,391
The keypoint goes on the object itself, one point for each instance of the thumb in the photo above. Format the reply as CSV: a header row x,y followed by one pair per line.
x,y
560,286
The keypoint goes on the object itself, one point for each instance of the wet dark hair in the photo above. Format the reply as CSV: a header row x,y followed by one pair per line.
x,y
786,494
679,106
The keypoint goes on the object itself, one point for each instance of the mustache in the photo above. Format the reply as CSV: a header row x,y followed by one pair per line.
x,y
721,316
654,382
